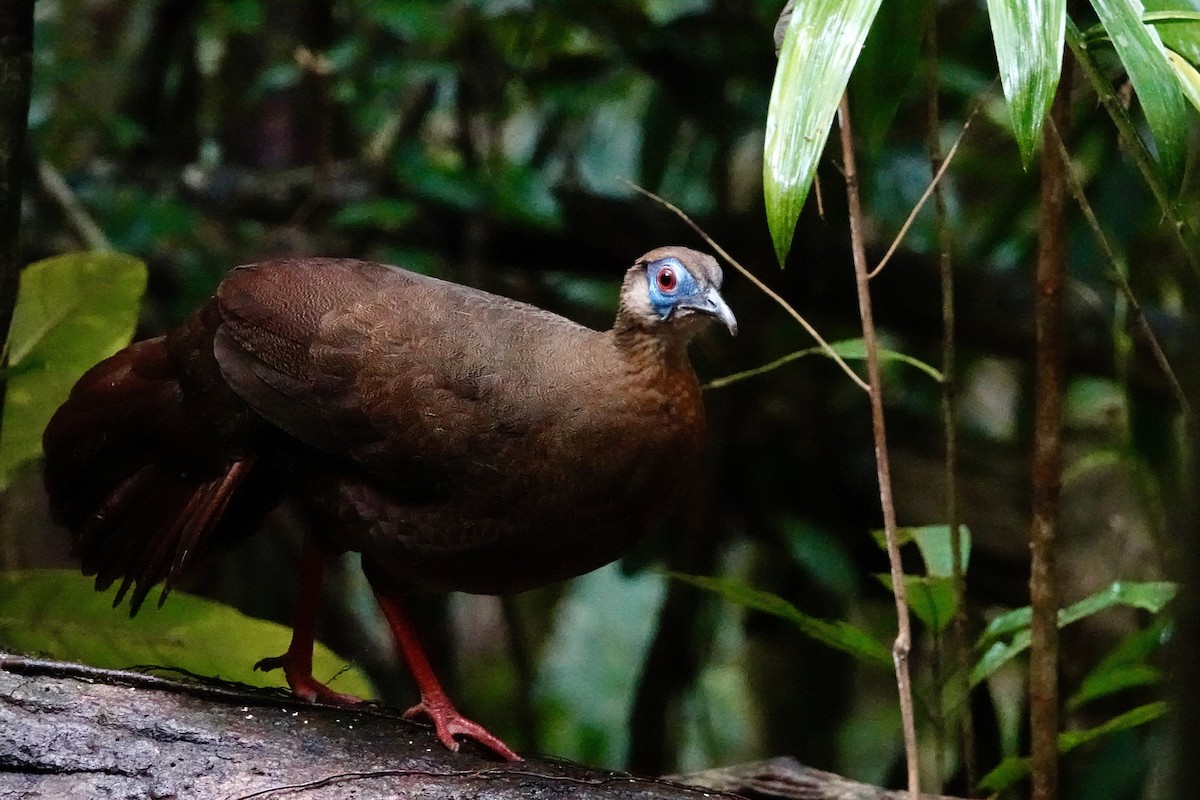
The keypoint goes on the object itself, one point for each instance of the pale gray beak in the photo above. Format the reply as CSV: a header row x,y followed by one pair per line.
x,y
713,304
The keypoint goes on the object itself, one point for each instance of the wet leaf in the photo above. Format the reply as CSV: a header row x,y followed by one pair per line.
x,y
819,50
1029,45
1145,60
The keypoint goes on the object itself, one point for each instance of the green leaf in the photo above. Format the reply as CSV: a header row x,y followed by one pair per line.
x,y
1145,60
934,543
379,213
823,556
1029,46
1178,23
601,632
819,50
855,350
58,614
1111,681
1013,768
847,349
885,69
72,311
838,635
931,598
1189,78
1150,596
1125,666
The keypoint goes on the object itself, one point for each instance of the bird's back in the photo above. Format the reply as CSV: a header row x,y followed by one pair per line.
x,y
463,427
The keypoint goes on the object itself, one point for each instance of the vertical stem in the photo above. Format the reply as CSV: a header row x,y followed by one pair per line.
x,y
16,60
903,643
959,643
1049,281
16,68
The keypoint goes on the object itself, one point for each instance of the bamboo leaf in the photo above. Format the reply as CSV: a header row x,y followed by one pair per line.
x,y
1178,26
1145,60
1029,44
820,48
1013,768
1149,596
1189,78
838,635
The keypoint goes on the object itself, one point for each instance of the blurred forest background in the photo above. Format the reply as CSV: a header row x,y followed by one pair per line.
x,y
493,142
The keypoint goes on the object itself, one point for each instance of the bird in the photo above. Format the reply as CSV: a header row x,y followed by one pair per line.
x,y
458,440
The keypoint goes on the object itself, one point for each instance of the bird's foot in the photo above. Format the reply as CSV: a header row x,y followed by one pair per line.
x,y
448,723
300,678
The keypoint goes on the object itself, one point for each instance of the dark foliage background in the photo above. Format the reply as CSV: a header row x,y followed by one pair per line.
x,y
492,143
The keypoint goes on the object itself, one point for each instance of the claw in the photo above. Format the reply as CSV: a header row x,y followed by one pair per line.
x,y
448,723
303,684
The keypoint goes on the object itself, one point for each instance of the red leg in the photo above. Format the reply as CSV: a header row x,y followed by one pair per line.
x,y
434,702
297,661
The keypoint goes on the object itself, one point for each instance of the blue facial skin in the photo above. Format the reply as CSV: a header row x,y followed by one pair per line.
x,y
664,301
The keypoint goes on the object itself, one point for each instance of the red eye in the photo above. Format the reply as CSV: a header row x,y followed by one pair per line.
x,y
667,280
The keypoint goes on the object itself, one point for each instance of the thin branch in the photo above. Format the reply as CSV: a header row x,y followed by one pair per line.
x,y
767,290
959,644
934,184
903,643
1049,380
1118,276
77,217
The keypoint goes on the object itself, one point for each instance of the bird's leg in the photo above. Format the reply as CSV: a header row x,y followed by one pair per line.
x,y
297,661
447,721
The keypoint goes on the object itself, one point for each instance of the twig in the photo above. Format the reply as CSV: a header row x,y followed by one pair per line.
x,y
959,644
77,217
1160,356
768,291
934,184
903,643
1049,378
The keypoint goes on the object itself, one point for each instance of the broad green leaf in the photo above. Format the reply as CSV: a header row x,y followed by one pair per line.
x,y
58,614
1013,768
934,543
838,635
72,311
931,598
819,50
601,631
1150,596
885,69
1125,666
823,556
1178,23
847,349
1029,37
1189,78
1111,681
1145,60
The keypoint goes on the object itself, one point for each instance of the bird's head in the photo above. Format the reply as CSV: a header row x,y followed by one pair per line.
x,y
674,289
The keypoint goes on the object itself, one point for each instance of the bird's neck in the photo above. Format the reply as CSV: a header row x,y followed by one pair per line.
x,y
650,348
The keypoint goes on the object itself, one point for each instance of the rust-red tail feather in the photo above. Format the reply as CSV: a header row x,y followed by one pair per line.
x,y
129,472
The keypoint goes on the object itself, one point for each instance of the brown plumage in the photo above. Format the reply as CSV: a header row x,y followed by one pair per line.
x,y
457,439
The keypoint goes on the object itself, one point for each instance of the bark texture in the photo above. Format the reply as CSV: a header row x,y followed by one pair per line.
x,y
72,731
